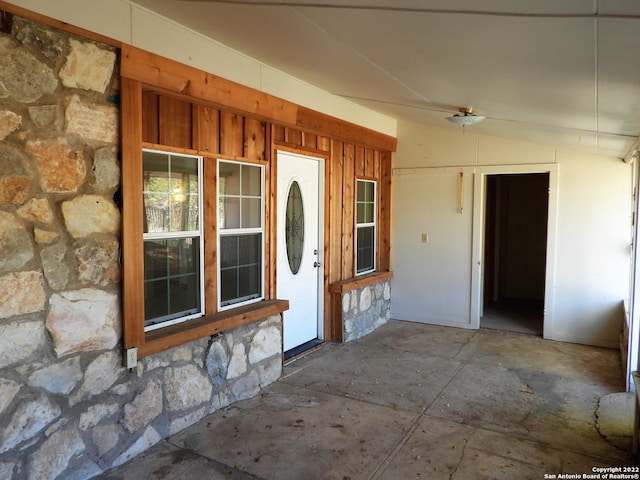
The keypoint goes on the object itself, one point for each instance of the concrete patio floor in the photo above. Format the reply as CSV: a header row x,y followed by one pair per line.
x,y
410,401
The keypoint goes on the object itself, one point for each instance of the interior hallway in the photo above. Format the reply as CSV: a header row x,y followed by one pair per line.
x,y
523,316
408,401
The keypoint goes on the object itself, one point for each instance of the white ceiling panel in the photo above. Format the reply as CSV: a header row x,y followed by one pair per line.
x,y
562,73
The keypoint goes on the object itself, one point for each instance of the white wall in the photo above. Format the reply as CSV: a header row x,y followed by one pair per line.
x,y
432,281
137,26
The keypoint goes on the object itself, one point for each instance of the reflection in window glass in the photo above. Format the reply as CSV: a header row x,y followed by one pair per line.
x,y
240,268
172,238
365,226
170,193
365,249
172,278
240,231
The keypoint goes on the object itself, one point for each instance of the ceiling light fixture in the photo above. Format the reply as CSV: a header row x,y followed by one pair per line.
x,y
465,117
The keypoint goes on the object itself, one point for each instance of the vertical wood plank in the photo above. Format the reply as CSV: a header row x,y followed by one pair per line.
x,y
325,173
210,219
324,144
359,161
333,245
348,224
132,214
231,134
384,219
206,129
309,140
336,313
369,163
175,122
277,133
293,136
333,248
150,117
270,217
254,139
376,164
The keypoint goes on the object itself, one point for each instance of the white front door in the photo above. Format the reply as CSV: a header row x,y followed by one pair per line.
x,y
299,246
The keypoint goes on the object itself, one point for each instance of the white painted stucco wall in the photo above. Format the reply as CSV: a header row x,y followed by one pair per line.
x,y
432,281
137,26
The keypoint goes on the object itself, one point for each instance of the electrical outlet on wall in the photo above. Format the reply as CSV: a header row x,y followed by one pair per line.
x,y
131,357
425,238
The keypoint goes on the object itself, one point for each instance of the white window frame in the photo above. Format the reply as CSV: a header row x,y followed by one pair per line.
x,y
367,225
220,232
183,234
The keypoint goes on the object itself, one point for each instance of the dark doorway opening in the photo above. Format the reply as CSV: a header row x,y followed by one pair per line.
x,y
515,252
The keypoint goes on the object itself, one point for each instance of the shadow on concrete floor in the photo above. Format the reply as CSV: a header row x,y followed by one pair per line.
x,y
408,401
514,315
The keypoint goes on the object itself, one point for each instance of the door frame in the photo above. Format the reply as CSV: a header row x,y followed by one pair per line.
x,y
321,228
479,206
633,307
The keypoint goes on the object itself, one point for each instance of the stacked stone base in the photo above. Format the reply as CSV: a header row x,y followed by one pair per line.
x,y
365,309
82,416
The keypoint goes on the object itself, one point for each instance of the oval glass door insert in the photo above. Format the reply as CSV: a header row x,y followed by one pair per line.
x,y
294,227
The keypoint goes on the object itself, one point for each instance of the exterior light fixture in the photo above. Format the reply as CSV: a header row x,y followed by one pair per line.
x,y
465,117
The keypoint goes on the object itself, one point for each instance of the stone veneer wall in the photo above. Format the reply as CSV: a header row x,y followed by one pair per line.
x,y
365,309
68,409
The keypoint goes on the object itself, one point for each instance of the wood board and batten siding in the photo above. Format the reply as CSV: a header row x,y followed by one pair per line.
x,y
173,107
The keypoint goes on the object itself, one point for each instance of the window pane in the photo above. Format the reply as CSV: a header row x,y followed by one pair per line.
x,y
360,191
229,178
155,300
241,268
251,212
249,249
249,284
184,295
184,193
185,168
228,285
155,259
368,213
170,193
251,180
229,212
172,279
360,215
156,192
365,249
228,251
192,217
182,256
368,191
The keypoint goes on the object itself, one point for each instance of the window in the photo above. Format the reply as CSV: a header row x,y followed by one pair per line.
x,y
172,236
294,227
240,233
365,226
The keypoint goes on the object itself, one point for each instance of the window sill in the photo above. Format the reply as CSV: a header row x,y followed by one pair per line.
x,y
165,338
359,282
